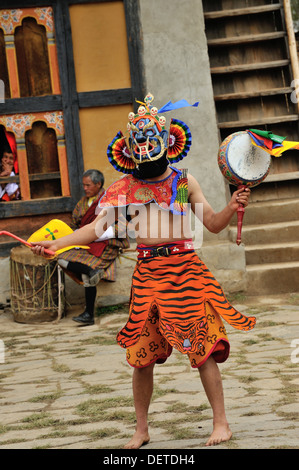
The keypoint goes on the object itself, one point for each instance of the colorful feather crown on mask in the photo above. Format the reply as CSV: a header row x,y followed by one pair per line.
x,y
148,138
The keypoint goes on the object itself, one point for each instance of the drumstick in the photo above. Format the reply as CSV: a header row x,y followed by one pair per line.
x,y
46,251
240,215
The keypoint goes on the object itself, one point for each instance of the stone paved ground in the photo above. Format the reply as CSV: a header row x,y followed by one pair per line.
x,y
66,387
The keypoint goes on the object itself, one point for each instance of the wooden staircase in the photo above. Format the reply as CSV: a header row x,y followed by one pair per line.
x,y
252,70
271,248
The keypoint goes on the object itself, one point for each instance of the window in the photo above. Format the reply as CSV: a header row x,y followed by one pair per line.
x,y
32,71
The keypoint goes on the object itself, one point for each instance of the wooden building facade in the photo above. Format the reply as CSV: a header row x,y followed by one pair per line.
x,y
71,70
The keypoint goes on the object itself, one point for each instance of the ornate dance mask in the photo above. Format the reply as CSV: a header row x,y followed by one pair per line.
x,y
150,146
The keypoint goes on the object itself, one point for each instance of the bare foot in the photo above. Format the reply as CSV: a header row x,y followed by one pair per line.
x,y
139,439
221,433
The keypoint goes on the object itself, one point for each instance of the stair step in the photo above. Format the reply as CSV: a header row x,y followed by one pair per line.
x,y
272,253
250,67
268,233
211,15
258,121
273,277
246,39
273,266
263,212
253,94
287,176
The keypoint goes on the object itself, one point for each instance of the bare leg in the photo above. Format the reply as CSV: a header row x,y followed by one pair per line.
x,y
212,383
143,383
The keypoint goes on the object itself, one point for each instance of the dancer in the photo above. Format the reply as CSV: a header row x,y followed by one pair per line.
x,y
175,300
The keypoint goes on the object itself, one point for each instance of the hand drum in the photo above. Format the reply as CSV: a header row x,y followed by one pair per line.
x,y
242,164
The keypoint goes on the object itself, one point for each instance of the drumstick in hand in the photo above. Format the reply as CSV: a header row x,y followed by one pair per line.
x,y
46,251
240,215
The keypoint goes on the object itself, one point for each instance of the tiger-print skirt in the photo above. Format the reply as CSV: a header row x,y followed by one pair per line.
x,y
176,302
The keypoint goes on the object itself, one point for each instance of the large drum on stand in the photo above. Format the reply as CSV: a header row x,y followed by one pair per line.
x,y
36,286
242,164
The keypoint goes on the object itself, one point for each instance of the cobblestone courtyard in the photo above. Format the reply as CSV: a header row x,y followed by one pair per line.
x,y
66,387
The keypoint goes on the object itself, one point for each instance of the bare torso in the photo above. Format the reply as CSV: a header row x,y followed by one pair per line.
x,y
153,225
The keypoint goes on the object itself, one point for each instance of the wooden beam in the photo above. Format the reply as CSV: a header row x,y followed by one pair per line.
x,y
36,207
89,99
34,177
70,105
5,4
34,104
135,49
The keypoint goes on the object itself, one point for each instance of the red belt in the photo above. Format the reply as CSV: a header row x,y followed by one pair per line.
x,y
175,248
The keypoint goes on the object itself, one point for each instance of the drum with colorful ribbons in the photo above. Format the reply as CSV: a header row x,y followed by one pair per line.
x,y
242,164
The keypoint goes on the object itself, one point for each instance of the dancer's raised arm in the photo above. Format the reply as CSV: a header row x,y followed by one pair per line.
x,y
216,221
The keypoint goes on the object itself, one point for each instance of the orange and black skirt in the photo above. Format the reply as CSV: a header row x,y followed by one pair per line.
x,y
176,302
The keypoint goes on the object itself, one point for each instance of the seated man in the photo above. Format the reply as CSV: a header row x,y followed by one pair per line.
x,y
8,191
88,267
